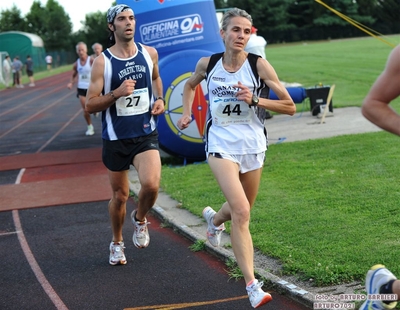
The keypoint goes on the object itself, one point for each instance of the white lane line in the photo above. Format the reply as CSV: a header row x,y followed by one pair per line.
x,y
9,233
59,131
34,115
31,258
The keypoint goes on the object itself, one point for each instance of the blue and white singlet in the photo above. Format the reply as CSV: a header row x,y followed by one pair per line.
x,y
129,117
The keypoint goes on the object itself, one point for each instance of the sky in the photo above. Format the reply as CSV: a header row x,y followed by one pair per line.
x,y
76,10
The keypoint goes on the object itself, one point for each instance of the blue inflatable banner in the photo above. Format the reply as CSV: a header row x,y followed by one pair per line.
x,y
182,31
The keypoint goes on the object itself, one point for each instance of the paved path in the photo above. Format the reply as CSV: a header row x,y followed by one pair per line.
x,y
304,126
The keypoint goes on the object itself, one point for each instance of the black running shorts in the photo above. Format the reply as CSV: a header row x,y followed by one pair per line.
x,y
81,92
118,154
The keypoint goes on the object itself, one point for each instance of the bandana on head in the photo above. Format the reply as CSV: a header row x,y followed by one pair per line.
x,y
115,10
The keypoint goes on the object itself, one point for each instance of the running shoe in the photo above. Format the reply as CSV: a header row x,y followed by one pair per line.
x,y
256,295
141,238
377,276
117,255
214,234
90,130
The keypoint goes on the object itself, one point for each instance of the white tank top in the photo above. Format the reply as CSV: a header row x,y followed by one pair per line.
x,y
84,74
235,128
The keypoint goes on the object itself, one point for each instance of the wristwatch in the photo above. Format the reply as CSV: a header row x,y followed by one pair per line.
x,y
254,101
161,98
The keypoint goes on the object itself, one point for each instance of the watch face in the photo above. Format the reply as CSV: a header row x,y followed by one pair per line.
x,y
255,100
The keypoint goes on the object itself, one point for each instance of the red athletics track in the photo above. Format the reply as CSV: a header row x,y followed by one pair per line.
x,y
34,120
55,230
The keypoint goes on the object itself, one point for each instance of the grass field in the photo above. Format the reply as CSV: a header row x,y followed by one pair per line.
x,y
43,74
351,64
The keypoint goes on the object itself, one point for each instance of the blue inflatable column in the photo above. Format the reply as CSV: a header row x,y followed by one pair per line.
x,y
182,31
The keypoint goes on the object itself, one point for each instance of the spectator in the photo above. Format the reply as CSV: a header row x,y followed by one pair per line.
x,y
256,45
17,70
7,71
29,70
49,61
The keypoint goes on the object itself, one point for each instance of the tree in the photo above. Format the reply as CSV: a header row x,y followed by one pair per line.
x,y
366,7
278,17
301,13
11,20
94,29
58,27
36,19
348,8
388,14
268,15
220,4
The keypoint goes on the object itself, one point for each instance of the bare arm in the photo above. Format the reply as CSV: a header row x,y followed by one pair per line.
x,y
376,105
157,86
285,104
95,102
74,74
189,92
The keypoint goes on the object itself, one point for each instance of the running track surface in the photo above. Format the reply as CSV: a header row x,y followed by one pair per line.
x,y
55,230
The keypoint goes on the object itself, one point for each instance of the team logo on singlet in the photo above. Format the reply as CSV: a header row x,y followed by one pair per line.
x,y
173,109
224,90
219,79
132,71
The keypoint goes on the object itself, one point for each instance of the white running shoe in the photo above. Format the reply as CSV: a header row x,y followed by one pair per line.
x,y
214,234
90,130
140,238
377,276
256,295
117,255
